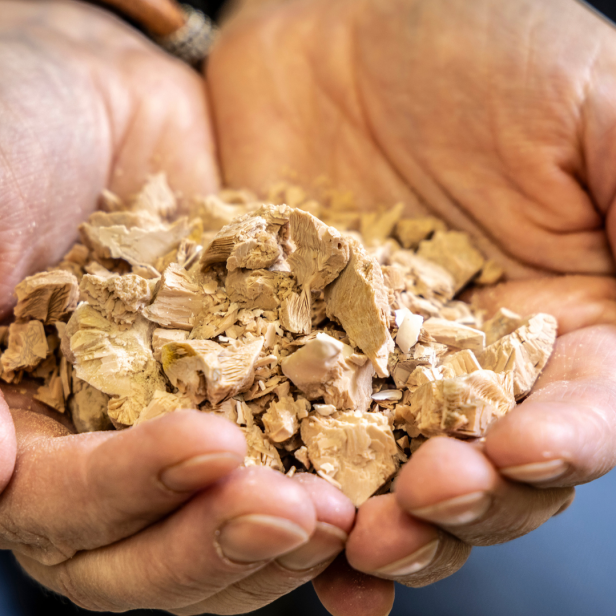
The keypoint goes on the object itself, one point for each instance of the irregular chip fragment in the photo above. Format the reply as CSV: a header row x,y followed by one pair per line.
x,y
259,288
203,368
455,334
141,244
357,299
47,296
161,336
327,368
426,278
354,449
52,393
88,407
281,421
253,241
422,375
524,352
162,403
260,451
295,313
116,360
409,326
216,212
502,323
463,406
118,298
410,232
178,301
376,227
156,197
321,252
27,347
453,251
460,363
491,273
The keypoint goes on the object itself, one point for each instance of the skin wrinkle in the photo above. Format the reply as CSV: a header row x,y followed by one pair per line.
x,y
364,115
438,185
585,89
457,200
574,108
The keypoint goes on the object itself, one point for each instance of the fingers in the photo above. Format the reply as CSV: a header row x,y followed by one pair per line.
x,y
565,433
221,536
389,543
452,484
8,446
335,516
344,591
80,492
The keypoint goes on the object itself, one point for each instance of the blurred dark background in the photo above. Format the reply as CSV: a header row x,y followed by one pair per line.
x,y
566,568
607,7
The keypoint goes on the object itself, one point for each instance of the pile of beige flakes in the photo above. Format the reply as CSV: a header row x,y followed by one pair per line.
x,y
337,348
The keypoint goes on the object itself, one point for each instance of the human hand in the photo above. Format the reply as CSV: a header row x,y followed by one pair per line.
x,y
497,118
86,103
158,516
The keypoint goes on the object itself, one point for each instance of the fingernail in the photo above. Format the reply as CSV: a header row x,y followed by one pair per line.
x,y
456,511
413,563
535,473
326,542
199,471
255,537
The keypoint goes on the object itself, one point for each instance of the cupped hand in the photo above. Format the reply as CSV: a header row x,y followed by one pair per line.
x,y
86,103
161,515
499,118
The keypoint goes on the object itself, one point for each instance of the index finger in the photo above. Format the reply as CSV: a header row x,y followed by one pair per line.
x,y
564,434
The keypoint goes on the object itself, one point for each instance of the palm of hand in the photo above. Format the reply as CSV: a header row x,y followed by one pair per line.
x,y
87,104
400,100
497,119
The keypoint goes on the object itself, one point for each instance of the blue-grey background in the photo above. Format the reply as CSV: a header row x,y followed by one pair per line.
x,y
566,568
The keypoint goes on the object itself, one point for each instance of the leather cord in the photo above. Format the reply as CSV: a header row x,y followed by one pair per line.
x,y
158,17
183,31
